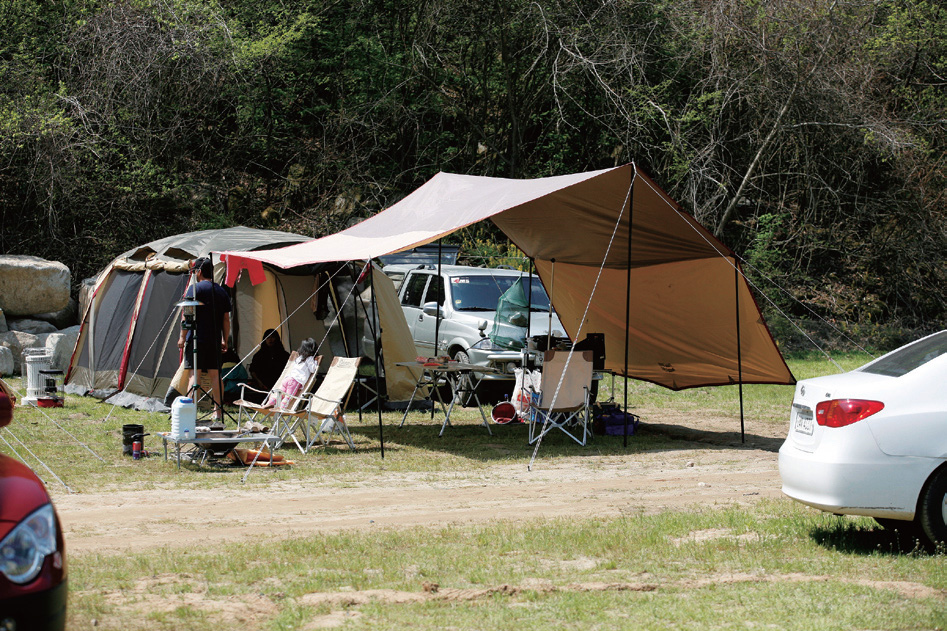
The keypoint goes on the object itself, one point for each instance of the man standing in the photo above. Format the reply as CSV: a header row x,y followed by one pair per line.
x,y
212,331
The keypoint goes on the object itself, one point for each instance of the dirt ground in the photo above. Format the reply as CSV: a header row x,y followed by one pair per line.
x,y
703,467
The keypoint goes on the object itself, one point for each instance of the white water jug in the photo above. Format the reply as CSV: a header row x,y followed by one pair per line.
x,y
183,417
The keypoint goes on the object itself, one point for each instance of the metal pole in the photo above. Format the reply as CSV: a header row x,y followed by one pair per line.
x,y
529,315
437,298
631,205
736,278
437,322
552,290
377,321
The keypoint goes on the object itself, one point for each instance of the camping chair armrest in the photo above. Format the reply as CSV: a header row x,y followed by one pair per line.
x,y
316,396
245,386
291,399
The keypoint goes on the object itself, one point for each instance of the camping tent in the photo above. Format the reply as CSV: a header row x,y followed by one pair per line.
x,y
129,329
616,255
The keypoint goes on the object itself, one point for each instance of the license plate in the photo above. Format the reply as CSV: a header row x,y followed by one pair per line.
x,y
805,422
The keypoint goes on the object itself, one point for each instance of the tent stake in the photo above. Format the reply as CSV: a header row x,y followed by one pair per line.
x,y
631,205
736,277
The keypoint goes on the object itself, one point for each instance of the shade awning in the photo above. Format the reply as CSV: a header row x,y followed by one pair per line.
x,y
685,288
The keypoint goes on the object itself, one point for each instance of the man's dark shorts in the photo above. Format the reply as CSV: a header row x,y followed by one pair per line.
x,y
208,356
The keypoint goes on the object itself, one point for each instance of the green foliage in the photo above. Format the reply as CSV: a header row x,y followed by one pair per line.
x,y
810,135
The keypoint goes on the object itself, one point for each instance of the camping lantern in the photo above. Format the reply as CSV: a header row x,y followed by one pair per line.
x,y
189,308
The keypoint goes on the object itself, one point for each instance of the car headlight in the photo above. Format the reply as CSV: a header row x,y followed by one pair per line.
x,y
486,344
23,550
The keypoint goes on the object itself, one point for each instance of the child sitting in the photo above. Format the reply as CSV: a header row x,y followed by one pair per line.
x,y
304,365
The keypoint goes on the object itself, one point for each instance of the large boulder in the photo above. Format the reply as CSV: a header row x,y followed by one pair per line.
x,y
3,322
60,346
17,342
6,361
34,327
64,318
29,284
85,296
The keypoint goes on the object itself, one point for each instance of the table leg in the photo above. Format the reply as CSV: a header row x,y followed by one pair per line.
x,y
482,415
411,400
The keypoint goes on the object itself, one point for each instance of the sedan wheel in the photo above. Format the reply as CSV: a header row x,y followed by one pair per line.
x,y
933,513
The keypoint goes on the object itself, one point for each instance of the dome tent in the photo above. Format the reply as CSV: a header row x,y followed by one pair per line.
x,y
129,328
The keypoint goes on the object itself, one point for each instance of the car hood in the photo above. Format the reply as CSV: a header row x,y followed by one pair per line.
x,y
21,493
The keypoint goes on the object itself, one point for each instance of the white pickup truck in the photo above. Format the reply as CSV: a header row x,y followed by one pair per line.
x,y
467,298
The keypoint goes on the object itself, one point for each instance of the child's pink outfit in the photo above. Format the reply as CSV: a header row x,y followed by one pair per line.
x,y
299,374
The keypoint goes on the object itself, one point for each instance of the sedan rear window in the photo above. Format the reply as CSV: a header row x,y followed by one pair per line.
x,y
904,360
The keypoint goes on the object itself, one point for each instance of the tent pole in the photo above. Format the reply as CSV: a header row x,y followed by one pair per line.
x,y
437,322
631,205
552,290
437,297
736,277
375,336
529,315
358,338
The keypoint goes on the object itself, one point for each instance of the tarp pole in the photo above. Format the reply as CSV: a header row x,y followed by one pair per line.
x,y
529,316
631,205
736,277
377,324
437,322
437,297
552,290
358,338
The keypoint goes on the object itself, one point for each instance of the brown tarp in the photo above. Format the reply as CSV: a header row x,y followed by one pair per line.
x,y
684,285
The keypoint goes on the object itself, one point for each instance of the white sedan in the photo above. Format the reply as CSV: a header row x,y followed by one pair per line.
x,y
873,441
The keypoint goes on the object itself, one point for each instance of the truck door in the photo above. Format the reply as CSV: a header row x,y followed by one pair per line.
x,y
411,295
426,325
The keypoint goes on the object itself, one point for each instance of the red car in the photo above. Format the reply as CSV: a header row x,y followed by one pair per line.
x,y
32,560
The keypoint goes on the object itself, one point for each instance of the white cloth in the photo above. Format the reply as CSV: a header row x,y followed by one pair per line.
x,y
302,369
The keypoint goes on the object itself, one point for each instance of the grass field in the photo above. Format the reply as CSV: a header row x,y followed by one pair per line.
x,y
769,564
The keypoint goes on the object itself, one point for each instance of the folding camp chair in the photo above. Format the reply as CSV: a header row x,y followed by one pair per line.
x,y
327,403
568,409
253,409
284,411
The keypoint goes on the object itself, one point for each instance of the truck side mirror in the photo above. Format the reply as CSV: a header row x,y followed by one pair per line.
x,y
482,327
431,309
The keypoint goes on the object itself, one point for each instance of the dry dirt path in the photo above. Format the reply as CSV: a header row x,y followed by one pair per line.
x,y
707,469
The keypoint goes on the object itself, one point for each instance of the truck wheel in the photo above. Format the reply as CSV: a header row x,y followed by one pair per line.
x,y
463,399
933,508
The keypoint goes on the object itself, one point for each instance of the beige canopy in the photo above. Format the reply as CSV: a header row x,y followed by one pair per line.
x,y
686,297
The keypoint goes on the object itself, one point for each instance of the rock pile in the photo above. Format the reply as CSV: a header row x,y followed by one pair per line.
x,y
36,311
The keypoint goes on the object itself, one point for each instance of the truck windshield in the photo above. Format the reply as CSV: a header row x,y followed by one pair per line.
x,y
481,292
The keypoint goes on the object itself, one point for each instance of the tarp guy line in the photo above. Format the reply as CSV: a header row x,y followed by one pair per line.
x,y
51,472
760,291
562,376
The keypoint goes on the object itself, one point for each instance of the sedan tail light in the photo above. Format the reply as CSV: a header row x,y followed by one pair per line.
x,y
842,412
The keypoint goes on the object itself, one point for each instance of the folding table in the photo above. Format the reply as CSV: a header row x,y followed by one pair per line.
x,y
204,442
458,375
